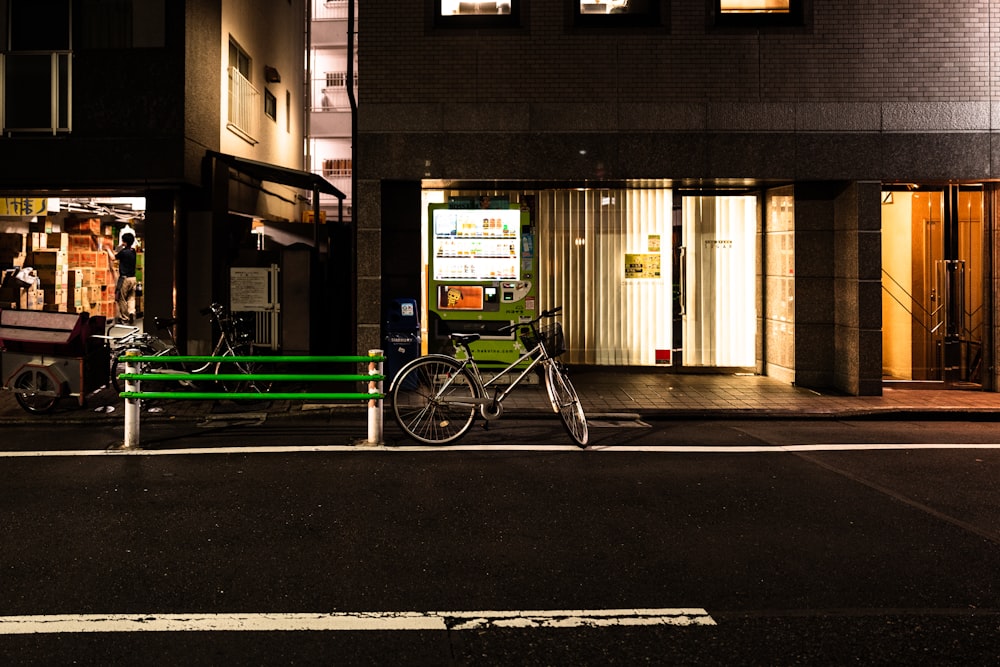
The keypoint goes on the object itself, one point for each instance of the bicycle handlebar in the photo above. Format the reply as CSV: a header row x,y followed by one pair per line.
x,y
545,313
213,308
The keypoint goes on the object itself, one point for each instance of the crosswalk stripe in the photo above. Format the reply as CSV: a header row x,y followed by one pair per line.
x,y
349,621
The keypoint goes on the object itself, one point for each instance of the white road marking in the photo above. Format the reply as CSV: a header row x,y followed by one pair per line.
x,y
405,449
319,622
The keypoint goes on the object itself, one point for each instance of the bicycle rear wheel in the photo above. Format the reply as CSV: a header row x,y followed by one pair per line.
x,y
249,385
433,400
118,366
566,402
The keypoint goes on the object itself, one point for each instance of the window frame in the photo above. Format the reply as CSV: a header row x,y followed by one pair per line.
x,y
518,8
244,63
798,11
654,17
270,105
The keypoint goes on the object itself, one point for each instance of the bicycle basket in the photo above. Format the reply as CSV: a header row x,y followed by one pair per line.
x,y
551,337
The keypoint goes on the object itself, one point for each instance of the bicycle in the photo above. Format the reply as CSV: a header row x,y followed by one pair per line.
x,y
235,340
435,398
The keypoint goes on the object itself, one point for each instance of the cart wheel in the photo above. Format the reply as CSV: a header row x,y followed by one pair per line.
x,y
35,391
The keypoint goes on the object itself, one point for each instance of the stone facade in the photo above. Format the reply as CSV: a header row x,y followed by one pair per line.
x,y
860,95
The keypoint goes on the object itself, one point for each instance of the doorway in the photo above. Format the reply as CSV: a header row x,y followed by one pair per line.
x,y
932,278
716,298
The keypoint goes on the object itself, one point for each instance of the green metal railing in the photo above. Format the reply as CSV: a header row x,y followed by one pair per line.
x,y
134,394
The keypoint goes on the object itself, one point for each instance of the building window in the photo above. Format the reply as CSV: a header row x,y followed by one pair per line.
x,y
757,13
239,59
243,109
607,13
35,74
754,6
477,13
270,105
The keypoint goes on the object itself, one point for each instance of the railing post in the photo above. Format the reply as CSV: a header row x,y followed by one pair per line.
x,y
375,404
132,405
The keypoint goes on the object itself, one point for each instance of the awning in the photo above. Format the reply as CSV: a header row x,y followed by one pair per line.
x,y
295,178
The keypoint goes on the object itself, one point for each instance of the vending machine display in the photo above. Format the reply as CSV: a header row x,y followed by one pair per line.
x,y
481,276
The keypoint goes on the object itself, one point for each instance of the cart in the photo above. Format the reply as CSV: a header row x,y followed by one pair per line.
x,y
45,356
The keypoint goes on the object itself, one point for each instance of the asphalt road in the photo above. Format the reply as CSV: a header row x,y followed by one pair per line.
x,y
785,553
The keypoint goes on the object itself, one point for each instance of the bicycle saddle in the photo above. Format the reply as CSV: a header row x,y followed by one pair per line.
x,y
164,322
465,338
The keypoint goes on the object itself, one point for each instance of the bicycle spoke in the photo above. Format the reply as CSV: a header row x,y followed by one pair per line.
x,y
419,399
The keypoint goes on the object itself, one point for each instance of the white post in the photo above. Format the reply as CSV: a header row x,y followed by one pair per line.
x,y
375,404
132,405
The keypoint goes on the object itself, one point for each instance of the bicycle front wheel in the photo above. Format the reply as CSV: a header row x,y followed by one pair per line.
x,y
433,400
566,402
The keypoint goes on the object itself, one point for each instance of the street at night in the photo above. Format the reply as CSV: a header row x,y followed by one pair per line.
x,y
671,542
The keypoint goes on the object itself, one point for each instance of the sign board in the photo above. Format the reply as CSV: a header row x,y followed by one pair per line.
x,y
640,265
23,206
249,289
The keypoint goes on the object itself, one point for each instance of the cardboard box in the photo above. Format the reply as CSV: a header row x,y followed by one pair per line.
x,y
84,226
56,296
25,299
87,259
57,241
81,242
54,278
48,259
43,225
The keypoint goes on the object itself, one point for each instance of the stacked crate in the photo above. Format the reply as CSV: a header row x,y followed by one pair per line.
x,y
14,293
72,269
88,256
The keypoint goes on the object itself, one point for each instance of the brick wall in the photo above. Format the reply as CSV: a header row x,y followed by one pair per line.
x,y
851,52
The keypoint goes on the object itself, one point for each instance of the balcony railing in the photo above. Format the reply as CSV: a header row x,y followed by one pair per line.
x,y
338,172
244,108
330,92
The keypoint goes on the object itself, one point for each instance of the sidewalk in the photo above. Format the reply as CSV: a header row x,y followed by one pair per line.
x,y
649,393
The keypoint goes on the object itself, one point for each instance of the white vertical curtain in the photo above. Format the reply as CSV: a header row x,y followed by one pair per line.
x,y
583,239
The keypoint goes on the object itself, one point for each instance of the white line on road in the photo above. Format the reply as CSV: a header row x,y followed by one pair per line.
x,y
385,621
405,449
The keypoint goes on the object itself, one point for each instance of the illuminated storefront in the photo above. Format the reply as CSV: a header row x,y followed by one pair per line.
x,y
646,276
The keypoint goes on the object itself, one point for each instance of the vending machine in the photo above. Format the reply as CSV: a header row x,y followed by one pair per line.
x,y
481,276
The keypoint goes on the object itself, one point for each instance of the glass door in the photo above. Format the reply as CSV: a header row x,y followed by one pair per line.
x,y
932,298
717,295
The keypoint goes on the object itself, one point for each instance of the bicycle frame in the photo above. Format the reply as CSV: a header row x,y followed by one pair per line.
x,y
537,355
